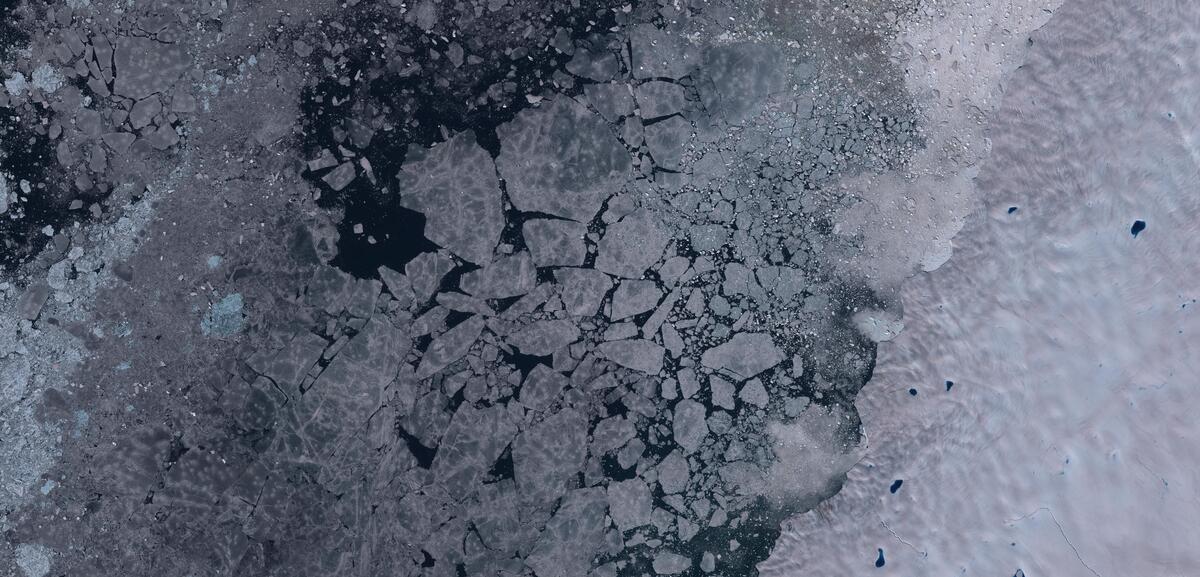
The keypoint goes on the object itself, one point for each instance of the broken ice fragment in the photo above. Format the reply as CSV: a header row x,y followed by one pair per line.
x,y
144,111
634,297
582,289
47,79
754,393
119,141
340,177
542,387
613,101
16,85
612,433
689,384
673,473
163,138
672,340
571,538
450,346
630,503
667,563
689,427
721,392
473,442
426,271
599,65
324,160
667,140
288,366
560,159
224,317
548,455
455,186
146,66
658,98
555,242
659,53
32,300
636,354
631,245
743,356
504,277
735,80
542,338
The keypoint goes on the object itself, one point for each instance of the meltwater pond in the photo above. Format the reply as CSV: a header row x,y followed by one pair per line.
x,y
1063,441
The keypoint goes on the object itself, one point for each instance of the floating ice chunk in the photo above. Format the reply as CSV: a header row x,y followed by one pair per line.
x,y
736,79
144,111
425,272
288,367
548,455
47,79
561,159
455,186
658,98
754,393
636,354
341,177
659,53
612,433
16,85
29,306
572,536
224,317
743,356
542,338
582,289
33,560
708,237
450,346
164,137
473,442
146,66
667,563
612,101
631,245
689,385
673,473
630,503
504,277
555,242
721,392
672,340
598,65
667,140
689,426
541,387
634,297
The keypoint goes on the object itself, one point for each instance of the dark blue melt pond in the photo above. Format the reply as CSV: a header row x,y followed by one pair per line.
x,y
896,485
1138,226
879,560
912,392
949,385
1012,209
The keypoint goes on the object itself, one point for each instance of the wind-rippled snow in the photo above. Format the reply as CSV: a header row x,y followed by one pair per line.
x,y
1068,443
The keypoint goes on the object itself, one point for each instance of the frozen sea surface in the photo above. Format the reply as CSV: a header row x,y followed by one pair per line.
x,y
1067,444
